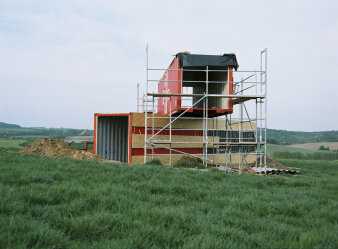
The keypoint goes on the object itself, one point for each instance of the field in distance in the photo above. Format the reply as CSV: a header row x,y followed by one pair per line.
x,y
271,148
315,146
6,144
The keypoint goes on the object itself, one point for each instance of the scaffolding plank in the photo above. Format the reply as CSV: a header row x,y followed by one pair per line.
x,y
209,95
220,143
237,101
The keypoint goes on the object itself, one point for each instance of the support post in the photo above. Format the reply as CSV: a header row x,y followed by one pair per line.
x,y
138,97
170,158
153,128
240,132
266,102
146,110
207,115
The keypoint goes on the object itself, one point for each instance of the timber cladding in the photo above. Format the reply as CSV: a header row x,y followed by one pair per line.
x,y
138,119
217,159
177,141
186,136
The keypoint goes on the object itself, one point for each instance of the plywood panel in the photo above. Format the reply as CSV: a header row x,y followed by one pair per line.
x,y
217,159
138,120
193,141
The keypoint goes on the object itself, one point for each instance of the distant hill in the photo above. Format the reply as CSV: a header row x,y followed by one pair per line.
x,y
6,126
11,131
298,137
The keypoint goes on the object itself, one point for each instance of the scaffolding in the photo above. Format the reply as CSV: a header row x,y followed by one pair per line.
x,y
249,95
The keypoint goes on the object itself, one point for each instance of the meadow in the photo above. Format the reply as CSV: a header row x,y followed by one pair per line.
x,y
11,145
271,148
14,145
65,203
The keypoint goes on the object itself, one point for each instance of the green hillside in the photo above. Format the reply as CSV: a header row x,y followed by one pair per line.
x,y
10,131
297,137
7,126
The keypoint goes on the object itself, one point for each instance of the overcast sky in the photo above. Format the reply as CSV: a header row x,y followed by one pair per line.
x,y
63,61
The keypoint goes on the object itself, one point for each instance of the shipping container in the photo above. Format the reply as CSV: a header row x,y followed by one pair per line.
x,y
188,74
121,137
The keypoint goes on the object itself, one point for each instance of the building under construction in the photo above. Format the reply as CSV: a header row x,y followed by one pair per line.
x,y
201,106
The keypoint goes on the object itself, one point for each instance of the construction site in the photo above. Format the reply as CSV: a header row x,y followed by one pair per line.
x,y
200,106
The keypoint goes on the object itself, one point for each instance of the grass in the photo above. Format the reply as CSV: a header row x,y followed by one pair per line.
x,y
154,162
187,164
65,203
11,145
18,144
271,148
333,156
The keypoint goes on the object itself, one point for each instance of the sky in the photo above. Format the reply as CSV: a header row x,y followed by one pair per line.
x,y
62,61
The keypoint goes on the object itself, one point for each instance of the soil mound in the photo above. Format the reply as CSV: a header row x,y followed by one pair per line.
x,y
271,163
57,148
190,159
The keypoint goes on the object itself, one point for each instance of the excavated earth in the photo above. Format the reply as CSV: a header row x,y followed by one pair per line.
x,y
271,163
57,148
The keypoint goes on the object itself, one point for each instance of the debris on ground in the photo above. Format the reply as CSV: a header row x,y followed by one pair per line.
x,y
57,148
227,168
272,167
270,171
270,162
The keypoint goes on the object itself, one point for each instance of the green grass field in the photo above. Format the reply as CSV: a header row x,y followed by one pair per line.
x,y
10,144
18,144
64,203
271,148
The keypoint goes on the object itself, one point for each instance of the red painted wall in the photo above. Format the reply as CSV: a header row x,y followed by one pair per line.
x,y
163,151
174,85
171,83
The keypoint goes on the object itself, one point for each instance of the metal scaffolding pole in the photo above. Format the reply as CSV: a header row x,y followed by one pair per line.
x,y
138,98
203,151
266,102
152,130
256,134
146,110
260,113
170,159
226,140
240,134
238,142
207,115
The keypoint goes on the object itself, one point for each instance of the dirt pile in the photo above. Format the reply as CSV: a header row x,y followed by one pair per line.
x,y
270,163
190,159
57,148
189,162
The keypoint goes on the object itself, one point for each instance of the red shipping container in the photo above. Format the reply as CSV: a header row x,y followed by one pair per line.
x,y
180,78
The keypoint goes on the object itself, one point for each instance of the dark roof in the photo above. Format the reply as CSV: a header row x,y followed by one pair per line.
x,y
200,60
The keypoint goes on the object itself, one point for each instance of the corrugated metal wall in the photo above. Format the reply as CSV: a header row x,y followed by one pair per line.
x,y
214,88
112,137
